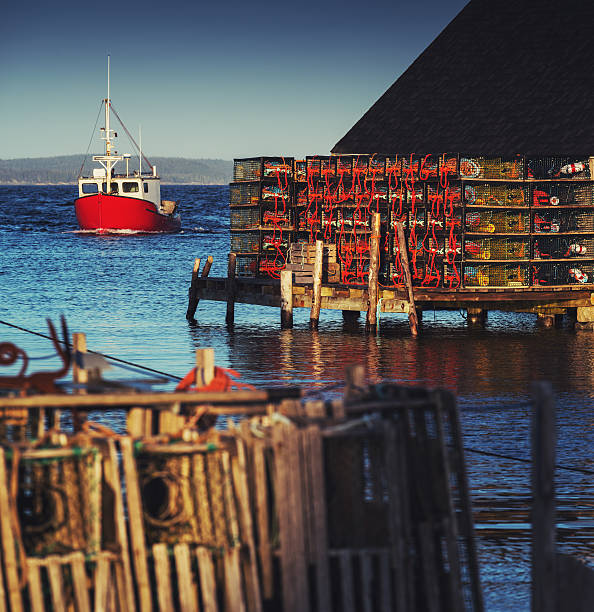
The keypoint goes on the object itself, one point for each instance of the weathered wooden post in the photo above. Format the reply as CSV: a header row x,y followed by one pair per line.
x,y
371,321
412,309
80,376
192,299
286,298
544,574
316,299
230,318
204,366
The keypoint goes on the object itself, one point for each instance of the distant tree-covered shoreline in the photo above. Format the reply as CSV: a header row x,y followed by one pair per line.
x,y
64,169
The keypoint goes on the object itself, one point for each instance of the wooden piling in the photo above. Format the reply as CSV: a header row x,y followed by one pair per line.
x,y
544,573
192,298
204,366
80,376
476,316
316,301
230,318
412,309
286,299
371,321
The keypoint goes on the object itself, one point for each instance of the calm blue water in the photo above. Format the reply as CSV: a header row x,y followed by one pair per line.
x,y
129,295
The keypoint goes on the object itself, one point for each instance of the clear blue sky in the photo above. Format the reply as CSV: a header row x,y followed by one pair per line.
x,y
220,79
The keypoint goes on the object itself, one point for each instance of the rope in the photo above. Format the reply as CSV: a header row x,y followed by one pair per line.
x,y
115,359
90,141
529,461
130,135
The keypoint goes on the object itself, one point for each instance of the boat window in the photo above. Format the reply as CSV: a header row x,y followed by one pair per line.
x,y
145,187
130,187
114,188
90,188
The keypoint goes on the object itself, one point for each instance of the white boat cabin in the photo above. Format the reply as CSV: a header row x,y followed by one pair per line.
x,y
134,186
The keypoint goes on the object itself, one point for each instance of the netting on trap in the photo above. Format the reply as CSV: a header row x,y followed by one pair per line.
x,y
493,194
563,247
188,497
59,501
497,221
511,168
244,218
496,275
561,273
244,194
498,247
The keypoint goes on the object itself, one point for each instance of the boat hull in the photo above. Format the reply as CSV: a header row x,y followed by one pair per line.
x,y
106,213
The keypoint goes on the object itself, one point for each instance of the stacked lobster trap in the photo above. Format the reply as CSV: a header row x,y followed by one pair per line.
x,y
470,221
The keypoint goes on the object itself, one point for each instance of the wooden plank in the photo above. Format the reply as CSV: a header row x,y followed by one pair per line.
x,y
366,581
397,498
54,571
205,363
35,588
111,477
347,581
230,289
186,584
79,581
442,480
249,560
402,249
543,592
136,526
192,293
466,524
233,592
371,320
262,517
286,300
163,577
316,304
292,439
8,545
281,504
385,583
319,517
208,585
103,583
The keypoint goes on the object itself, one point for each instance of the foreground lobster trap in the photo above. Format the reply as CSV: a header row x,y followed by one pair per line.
x,y
370,512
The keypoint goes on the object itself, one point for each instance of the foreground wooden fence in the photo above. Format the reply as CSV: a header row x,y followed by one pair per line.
x,y
355,503
359,503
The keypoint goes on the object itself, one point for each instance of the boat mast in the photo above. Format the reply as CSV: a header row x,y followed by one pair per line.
x,y
108,161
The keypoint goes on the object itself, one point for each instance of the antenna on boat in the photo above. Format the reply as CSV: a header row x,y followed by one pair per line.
x,y
108,161
140,150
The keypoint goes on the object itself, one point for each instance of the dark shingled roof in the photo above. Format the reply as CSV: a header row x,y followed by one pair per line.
x,y
502,77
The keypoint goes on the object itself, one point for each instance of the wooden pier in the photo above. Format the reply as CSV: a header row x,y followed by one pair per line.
x,y
549,303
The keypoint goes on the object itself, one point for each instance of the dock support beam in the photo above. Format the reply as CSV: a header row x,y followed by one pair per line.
x,y
544,574
585,318
316,300
371,321
286,299
193,291
350,317
230,318
412,309
476,316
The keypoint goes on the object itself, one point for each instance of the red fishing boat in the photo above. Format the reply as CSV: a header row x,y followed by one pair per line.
x,y
122,202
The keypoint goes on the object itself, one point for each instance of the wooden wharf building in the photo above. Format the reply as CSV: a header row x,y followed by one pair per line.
x,y
504,222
